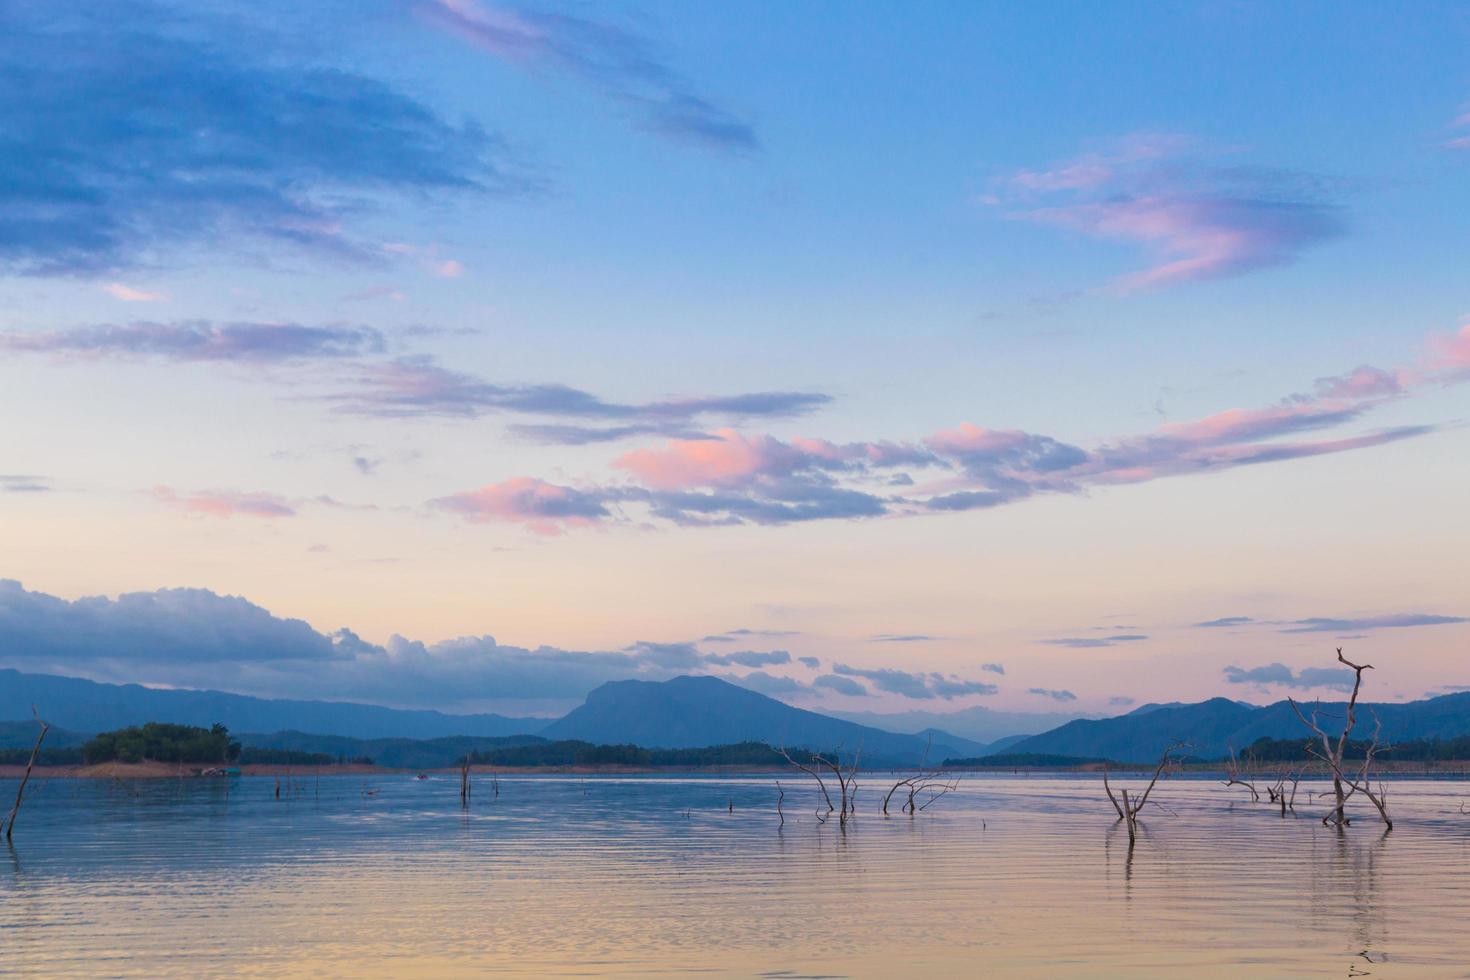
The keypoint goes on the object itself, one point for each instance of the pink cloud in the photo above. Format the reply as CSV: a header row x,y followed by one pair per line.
x,y
732,478
1452,352
969,438
128,294
1202,221
448,269
1364,382
227,503
543,507
728,459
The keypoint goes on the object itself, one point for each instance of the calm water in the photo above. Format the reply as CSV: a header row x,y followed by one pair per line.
x,y
655,876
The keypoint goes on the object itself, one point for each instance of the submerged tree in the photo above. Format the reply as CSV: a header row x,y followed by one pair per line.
x,y
846,776
1344,784
926,781
21,790
1129,808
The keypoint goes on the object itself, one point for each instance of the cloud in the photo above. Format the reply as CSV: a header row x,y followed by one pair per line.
x,y
1120,701
675,656
191,626
749,658
902,638
917,686
416,386
728,477
1224,621
163,127
1462,122
227,503
1322,624
199,340
1450,354
1282,676
1054,695
772,685
841,684
1090,642
130,295
812,662
954,687
24,483
618,64
543,507
731,636
1200,220
993,668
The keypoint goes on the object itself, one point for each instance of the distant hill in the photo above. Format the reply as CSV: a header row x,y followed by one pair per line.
x,y
90,707
1216,726
398,753
698,711
22,735
977,723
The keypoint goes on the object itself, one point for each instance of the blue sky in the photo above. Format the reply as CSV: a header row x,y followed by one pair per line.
x,y
585,325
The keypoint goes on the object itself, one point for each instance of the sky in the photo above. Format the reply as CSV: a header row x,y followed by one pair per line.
x,y
444,353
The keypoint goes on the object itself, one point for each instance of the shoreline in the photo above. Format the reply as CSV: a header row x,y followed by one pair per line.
x,y
170,770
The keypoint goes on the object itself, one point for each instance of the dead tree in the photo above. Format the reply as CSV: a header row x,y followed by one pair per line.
x,y
1344,784
815,775
1233,777
846,776
1129,808
1277,793
780,795
20,791
464,781
846,781
925,780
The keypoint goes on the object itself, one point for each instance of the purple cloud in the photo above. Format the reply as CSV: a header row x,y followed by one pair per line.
x,y
23,483
200,340
620,65
1225,621
1322,624
162,130
841,684
1091,642
1282,676
727,477
1200,220
1053,694
917,686
749,658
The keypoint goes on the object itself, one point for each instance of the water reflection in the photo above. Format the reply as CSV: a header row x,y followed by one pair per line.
x,y
639,875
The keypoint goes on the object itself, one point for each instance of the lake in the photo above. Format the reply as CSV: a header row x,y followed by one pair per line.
x,y
658,876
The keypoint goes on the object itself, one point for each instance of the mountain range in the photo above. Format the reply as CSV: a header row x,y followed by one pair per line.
x,y
977,723
89,706
1213,728
694,712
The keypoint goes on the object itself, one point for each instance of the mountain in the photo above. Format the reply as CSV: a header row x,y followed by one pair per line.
x,y
1212,728
699,711
978,723
88,706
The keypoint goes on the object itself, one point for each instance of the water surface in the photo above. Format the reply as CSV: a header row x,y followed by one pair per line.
x,y
650,876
